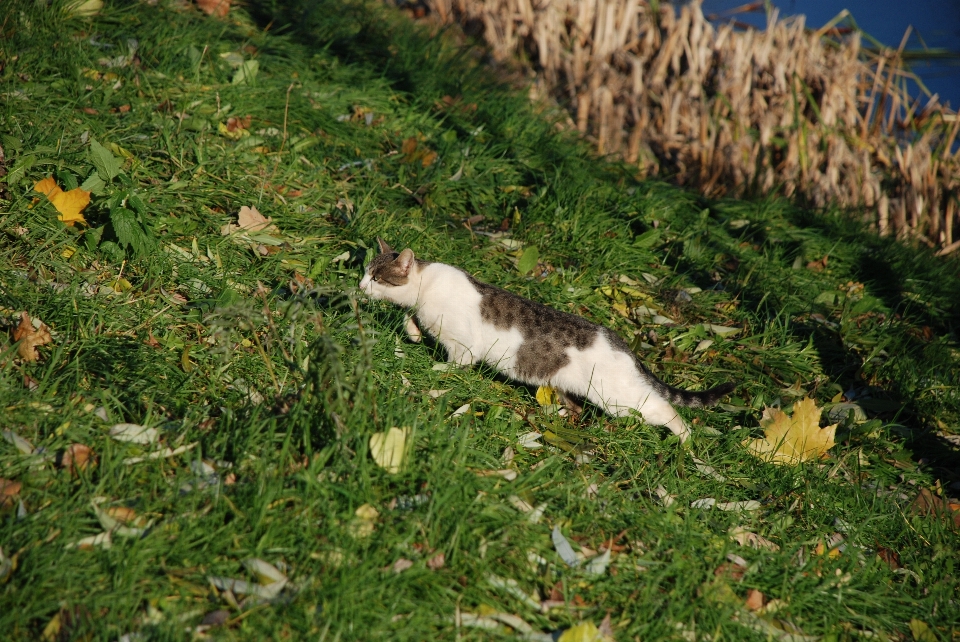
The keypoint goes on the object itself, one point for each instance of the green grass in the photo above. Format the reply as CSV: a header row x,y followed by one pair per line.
x,y
276,373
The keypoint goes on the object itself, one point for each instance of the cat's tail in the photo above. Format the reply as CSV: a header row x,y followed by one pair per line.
x,y
690,398
696,398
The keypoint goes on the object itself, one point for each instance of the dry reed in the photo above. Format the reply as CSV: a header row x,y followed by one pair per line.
x,y
805,113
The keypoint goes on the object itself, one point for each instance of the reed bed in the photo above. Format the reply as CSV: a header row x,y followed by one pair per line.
x,y
733,111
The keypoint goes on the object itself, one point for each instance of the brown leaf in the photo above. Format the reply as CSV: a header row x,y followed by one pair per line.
x,y
818,265
215,618
436,562
409,146
30,338
9,489
889,556
755,600
216,8
76,458
732,571
927,503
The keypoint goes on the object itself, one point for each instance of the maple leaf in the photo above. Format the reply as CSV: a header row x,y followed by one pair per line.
x,y
30,337
791,440
70,204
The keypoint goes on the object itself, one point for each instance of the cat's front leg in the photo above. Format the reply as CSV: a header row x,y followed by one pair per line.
x,y
413,330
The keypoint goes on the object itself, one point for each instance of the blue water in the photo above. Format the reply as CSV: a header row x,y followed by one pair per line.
x,y
936,23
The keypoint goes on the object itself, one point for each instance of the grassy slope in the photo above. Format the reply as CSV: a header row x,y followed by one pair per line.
x,y
300,460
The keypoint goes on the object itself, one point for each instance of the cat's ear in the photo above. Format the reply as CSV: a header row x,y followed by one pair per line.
x,y
384,248
404,262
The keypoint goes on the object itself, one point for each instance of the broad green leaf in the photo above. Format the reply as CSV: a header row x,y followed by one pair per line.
x,y
647,239
108,166
129,232
529,259
246,72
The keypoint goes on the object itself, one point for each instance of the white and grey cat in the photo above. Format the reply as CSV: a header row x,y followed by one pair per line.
x,y
527,341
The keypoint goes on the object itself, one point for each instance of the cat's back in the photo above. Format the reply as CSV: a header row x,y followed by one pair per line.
x,y
535,321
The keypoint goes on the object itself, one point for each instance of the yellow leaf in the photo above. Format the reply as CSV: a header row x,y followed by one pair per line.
x,y
791,440
70,204
48,187
388,448
85,8
365,521
547,396
68,252
584,632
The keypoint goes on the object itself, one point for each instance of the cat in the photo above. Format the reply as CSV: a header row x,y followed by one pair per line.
x,y
527,341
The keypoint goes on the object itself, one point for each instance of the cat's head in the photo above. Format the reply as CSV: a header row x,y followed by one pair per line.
x,y
388,274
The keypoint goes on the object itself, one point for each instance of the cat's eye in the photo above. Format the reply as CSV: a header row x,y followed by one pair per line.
x,y
376,278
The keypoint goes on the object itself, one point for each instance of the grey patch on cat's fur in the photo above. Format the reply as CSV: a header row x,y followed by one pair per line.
x,y
547,334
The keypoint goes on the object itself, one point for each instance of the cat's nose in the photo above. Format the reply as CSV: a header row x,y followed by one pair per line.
x,y
365,282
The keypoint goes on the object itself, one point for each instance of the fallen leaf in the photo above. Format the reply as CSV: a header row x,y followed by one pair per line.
x,y
921,631
755,600
583,632
744,537
103,540
547,396
564,550
665,498
401,565
249,219
84,8
927,503
267,574
76,458
462,410
134,433
9,489
890,557
520,504
748,505
70,204
161,454
513,588
21,444
7,566
215,618
528,260
507,473
364,522
215,8
791,440
598,565
530,440
30,337
387,449
242,587
436,562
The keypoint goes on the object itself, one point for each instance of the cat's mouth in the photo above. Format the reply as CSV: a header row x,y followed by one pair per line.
x,y
366,285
